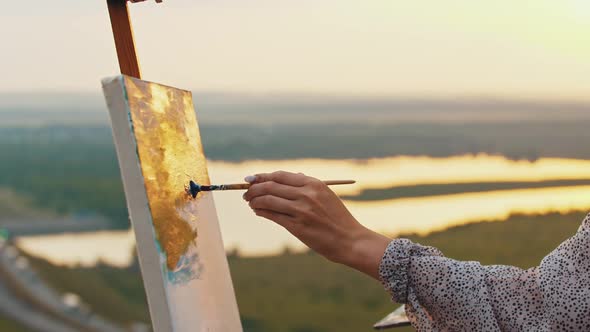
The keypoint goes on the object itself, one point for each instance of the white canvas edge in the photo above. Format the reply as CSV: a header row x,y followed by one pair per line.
x,y
137,203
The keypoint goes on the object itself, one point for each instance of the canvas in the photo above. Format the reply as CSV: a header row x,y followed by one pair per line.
x,y
179,244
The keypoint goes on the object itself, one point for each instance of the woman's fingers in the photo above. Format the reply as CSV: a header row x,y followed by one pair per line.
x,y
273,203
272,188
281,219
282,177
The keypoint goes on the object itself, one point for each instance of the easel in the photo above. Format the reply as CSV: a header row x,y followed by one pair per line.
x,y
129,65
123,34
188,287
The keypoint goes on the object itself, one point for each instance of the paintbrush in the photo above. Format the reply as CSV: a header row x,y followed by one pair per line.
x,y
194,188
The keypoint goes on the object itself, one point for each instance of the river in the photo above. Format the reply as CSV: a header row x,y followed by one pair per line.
x,y
251,235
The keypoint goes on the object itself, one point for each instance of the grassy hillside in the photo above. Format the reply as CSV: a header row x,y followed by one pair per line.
x,y
114,293
13,205
7,324
306,293
65,170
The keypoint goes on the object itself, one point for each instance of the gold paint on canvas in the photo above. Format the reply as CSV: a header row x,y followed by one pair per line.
x,y
170,154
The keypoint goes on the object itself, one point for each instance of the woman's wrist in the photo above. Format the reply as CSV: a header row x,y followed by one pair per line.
x,y
366,250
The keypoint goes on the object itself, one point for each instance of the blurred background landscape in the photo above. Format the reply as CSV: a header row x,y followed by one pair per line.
x,y
466,128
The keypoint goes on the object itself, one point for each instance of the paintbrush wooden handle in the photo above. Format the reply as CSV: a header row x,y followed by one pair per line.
x,y
242,186
338,182
235,186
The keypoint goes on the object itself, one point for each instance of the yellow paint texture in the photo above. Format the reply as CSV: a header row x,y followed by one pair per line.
x,y
170,154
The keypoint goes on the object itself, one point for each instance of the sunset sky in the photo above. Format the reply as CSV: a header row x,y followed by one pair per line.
x,y
428,48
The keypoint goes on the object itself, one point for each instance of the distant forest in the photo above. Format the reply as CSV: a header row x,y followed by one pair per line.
x,y
73,169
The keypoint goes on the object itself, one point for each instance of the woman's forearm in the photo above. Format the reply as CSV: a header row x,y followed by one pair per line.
x,y
366,252
309,210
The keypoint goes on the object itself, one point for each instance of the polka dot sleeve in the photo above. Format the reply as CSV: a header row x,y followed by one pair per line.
x,y
443,294
393,269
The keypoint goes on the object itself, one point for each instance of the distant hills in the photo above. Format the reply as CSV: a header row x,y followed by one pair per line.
x,y
56,108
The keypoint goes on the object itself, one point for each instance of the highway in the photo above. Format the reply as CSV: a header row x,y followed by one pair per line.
x,y
27,299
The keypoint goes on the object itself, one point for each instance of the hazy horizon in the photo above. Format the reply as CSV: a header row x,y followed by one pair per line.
x,y
38,109
42,109
378,48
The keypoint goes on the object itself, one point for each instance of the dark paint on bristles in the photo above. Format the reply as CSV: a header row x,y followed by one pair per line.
x,y
193,188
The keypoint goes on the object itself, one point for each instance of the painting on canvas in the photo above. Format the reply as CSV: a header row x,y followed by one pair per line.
x,y
180,249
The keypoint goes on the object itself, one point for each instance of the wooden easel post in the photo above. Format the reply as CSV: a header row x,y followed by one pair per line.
x,y
123,35
183,295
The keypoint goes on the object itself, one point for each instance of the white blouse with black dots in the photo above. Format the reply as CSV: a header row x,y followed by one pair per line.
x,y
442,294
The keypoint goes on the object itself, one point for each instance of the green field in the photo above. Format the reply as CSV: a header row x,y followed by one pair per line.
x,y
306,293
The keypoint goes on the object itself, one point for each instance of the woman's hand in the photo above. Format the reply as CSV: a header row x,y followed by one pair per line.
x,y
309,210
